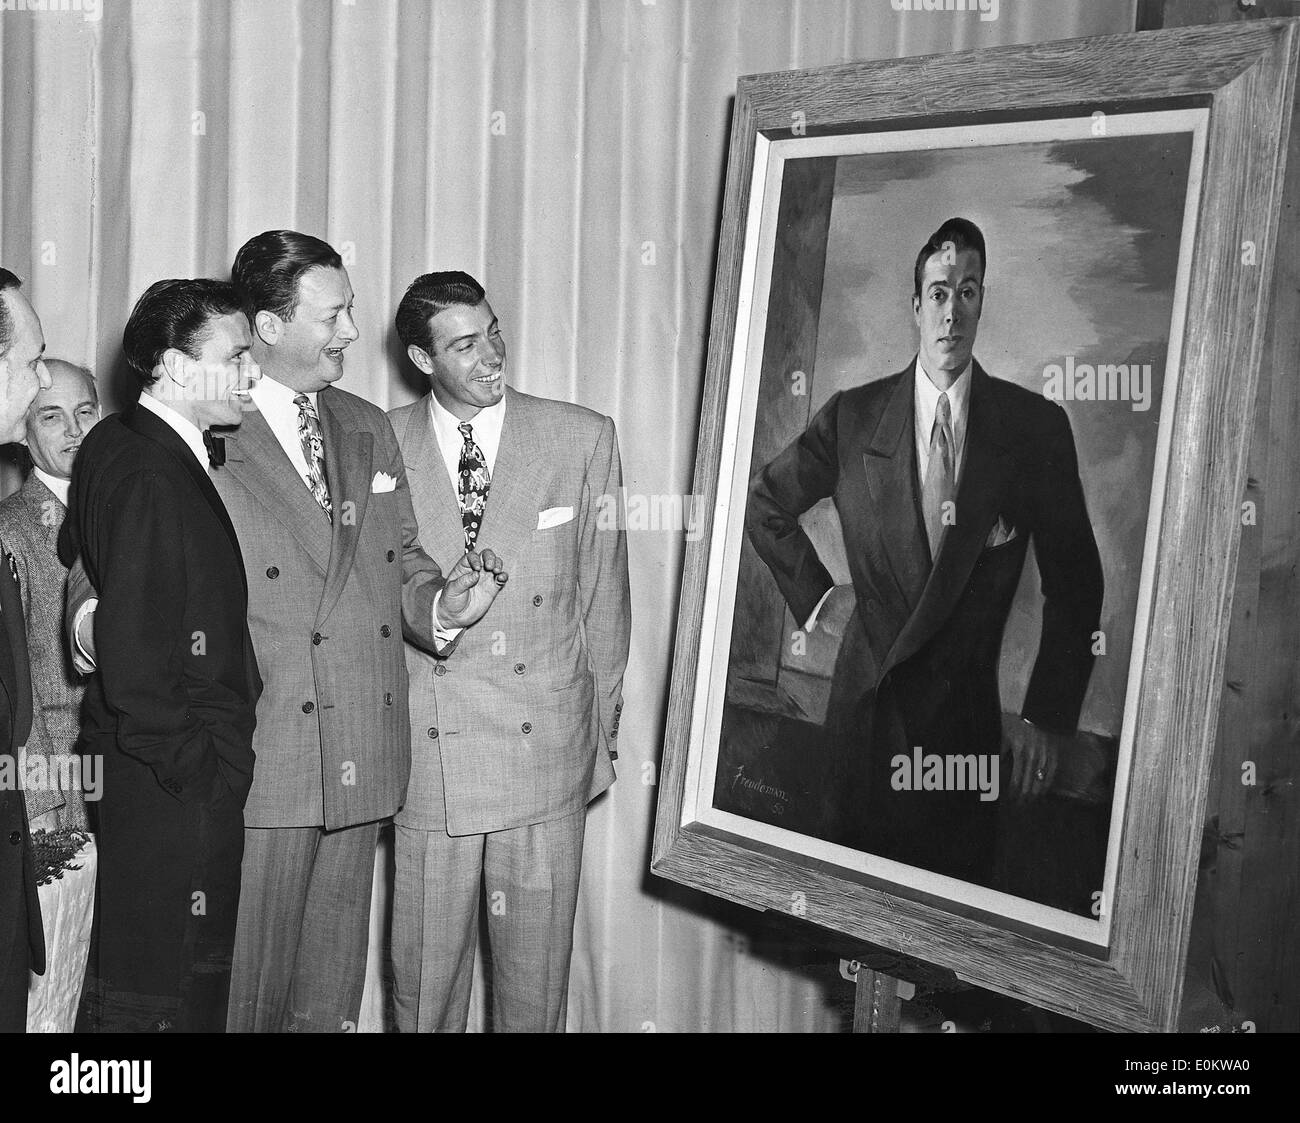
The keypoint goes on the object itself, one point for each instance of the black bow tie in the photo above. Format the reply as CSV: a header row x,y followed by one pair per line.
x,y
216,447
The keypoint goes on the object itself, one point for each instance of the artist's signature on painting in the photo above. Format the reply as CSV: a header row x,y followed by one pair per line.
x,y
778,796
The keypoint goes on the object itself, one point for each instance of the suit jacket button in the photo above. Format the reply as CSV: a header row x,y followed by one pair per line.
x,y
520,668
527,727
537,601
307,707
433,733
390,555
439,669
272,573
316,638
15,837
385,631
388,699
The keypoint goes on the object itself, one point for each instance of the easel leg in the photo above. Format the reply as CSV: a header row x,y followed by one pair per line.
x,y
877,1005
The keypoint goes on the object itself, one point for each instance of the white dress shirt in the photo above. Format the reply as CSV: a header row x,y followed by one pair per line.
x,y
276,402
486,424
927,403
56,485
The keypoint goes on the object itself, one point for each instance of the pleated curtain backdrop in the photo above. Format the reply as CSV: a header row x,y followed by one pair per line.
x,y
568,153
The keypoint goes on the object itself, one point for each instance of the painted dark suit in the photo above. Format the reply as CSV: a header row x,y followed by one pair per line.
x,y
919,661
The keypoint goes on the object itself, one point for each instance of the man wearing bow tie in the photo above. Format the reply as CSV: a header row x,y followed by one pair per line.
x,y
22,941
171,713
941,475
514,736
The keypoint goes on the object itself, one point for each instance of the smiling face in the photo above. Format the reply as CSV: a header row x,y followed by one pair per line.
x,y
948,310
216,383
22,373
467,365
305,353
60,417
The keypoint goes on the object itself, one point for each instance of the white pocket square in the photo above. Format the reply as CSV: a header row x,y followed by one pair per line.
x,y
382,482
553,516
1002,533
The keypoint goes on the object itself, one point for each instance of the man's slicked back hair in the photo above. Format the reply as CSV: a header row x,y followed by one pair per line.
x,y
426,297
268,268
961,234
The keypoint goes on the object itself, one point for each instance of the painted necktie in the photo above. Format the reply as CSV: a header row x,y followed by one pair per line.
x,y
474,484
937,494
313,450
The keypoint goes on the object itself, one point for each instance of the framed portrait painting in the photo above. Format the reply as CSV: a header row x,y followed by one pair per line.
x,y
985,341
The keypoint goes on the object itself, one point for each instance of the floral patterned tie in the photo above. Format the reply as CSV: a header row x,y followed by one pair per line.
x,y
474,484
313,450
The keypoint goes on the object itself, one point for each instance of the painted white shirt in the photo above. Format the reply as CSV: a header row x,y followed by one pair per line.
x,y
927,403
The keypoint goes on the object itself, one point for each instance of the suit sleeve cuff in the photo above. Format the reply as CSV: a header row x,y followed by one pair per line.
x,y
81,658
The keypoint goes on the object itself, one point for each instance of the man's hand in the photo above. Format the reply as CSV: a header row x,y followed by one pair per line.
x,y
1035,754
472,586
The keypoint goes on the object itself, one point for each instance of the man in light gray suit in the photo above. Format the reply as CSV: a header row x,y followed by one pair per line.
x,y
520,736
57,420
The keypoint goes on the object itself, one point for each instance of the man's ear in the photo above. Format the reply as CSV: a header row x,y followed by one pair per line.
x,y
420,357
916,309
173,362
268,327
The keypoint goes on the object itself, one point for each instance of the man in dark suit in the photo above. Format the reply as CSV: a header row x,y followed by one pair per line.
x,y
941,476
22,942
171,713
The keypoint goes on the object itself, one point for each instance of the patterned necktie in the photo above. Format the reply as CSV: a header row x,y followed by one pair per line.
x,y
313,451
474,484
938,490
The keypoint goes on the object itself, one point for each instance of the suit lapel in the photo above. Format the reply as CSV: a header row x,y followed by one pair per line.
x,y
349,454
36,495
984,478
890,464
427,471
512,499
256,459
148,425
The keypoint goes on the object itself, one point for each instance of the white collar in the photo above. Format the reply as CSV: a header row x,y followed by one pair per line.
x,y
927,398
183,427
271,396
486,424
58,487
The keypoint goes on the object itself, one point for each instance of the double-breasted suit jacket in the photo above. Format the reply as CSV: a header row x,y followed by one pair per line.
x,y
520,727
30,519
919,661
328,604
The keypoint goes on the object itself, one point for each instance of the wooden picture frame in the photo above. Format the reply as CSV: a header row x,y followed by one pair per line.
x,y
1236,85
